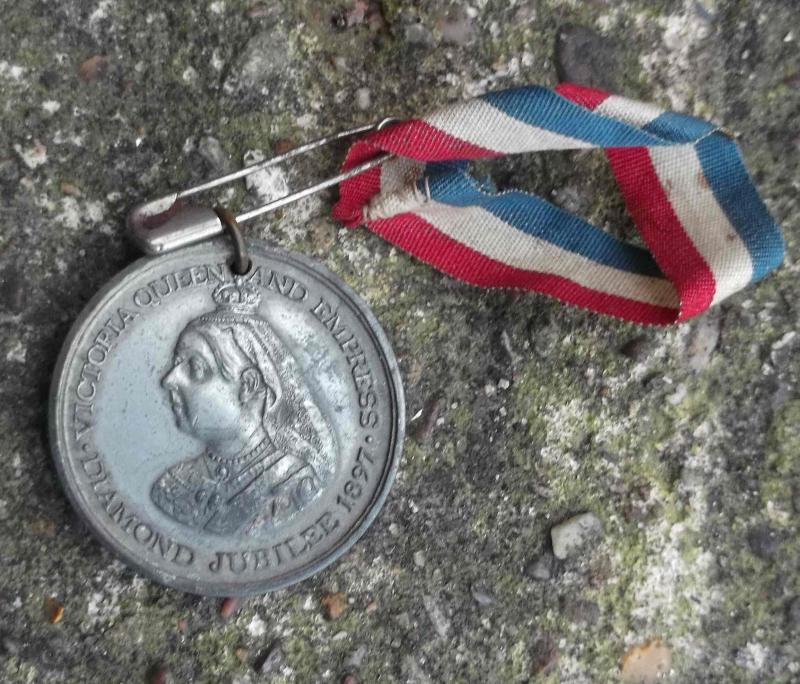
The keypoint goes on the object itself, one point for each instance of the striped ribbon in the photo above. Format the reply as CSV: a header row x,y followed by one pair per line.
x,y
684,183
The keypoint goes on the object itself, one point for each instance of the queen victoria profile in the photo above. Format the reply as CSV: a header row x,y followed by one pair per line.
x,y
268,450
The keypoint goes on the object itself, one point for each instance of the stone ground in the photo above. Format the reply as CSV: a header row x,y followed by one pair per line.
x,y
682,442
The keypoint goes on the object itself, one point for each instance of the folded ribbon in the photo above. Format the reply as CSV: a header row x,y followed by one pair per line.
x,y
683,180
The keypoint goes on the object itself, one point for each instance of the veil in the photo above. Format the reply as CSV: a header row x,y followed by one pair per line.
x,y
294,421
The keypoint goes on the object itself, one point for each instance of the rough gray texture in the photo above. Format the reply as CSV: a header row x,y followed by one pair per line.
x,y
572,535
688,454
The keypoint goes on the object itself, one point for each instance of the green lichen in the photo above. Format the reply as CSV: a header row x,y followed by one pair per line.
x,y
782,462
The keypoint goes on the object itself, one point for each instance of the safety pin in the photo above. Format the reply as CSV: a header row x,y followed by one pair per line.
x,y
164,224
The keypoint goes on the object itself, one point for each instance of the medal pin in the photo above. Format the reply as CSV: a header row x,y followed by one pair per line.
x,y
228,426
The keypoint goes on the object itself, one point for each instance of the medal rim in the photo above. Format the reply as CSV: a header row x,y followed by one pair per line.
x,y
357,529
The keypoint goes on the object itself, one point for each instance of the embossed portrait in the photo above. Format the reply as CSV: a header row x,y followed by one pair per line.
x,y
268,450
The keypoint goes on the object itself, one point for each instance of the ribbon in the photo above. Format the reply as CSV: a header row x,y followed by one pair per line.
x,y
683,180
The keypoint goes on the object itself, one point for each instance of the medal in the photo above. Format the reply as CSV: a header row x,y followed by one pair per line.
x,y
228,417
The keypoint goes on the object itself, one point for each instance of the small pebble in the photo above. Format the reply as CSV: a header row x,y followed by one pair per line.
x,y
260,10
356,659
256,627
350,679
70,189
32,156
678,395
363,98
542,568
270,661
228,607
456,31
440,623
430,414
242,654
51,106
93,68
53,610
481,595
333,605
570,536
160,675
419,559
702,341
784,350
190,75
403,620
210,149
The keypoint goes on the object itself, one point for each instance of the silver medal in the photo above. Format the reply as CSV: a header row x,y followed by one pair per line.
x,y
228,427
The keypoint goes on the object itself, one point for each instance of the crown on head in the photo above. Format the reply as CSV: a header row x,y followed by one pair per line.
x,y
238,296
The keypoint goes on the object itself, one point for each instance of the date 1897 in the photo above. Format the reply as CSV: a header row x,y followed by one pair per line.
x,y
352,490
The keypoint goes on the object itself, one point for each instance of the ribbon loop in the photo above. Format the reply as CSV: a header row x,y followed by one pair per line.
x,y
683,181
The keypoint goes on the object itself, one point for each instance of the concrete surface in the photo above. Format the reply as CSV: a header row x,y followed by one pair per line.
x,y
684,442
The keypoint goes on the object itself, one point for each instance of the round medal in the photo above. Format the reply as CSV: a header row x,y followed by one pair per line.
x,y
227,434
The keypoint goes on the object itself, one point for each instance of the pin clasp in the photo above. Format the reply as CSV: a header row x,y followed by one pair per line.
x,y
168,223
